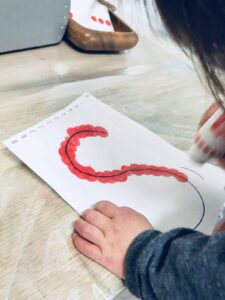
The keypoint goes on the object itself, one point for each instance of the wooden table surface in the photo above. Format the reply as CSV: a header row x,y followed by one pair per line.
x,y
149,84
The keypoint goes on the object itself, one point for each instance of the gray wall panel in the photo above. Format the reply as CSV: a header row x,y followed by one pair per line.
x,y
32,23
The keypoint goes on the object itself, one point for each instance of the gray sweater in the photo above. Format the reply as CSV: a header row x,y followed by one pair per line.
x,y
180,264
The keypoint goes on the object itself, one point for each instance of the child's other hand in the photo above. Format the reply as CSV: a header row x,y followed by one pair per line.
x,y
209,112
105,233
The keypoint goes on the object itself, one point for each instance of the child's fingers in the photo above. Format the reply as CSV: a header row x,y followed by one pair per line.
x,y
97,219
87,248
89,232
107,208
209,112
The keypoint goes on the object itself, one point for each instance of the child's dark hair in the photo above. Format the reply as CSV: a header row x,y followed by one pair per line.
x,y
199,25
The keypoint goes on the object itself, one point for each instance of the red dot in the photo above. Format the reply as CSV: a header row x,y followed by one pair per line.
x,y
107,22
100,21
70,15
94,18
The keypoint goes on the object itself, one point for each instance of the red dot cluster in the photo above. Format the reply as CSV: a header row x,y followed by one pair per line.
x,y
68,153
101,21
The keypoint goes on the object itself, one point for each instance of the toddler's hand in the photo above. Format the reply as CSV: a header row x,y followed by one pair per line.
x,y
105,233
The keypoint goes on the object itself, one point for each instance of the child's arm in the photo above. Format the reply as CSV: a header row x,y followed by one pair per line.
x,y
180,264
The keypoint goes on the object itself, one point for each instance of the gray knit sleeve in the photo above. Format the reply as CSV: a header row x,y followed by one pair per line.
x,y
179,264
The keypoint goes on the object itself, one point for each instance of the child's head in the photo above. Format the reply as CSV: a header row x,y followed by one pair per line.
x,y
199,25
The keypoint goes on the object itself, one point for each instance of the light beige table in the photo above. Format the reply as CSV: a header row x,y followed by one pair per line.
x,y
148,84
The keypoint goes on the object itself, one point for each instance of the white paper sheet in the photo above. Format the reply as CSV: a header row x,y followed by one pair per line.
x,y
91,14
166,201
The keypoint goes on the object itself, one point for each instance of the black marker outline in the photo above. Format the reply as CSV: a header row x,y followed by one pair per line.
x,y
123,172
194,172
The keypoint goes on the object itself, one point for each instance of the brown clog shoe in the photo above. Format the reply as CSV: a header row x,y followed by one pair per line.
x,y
122,38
